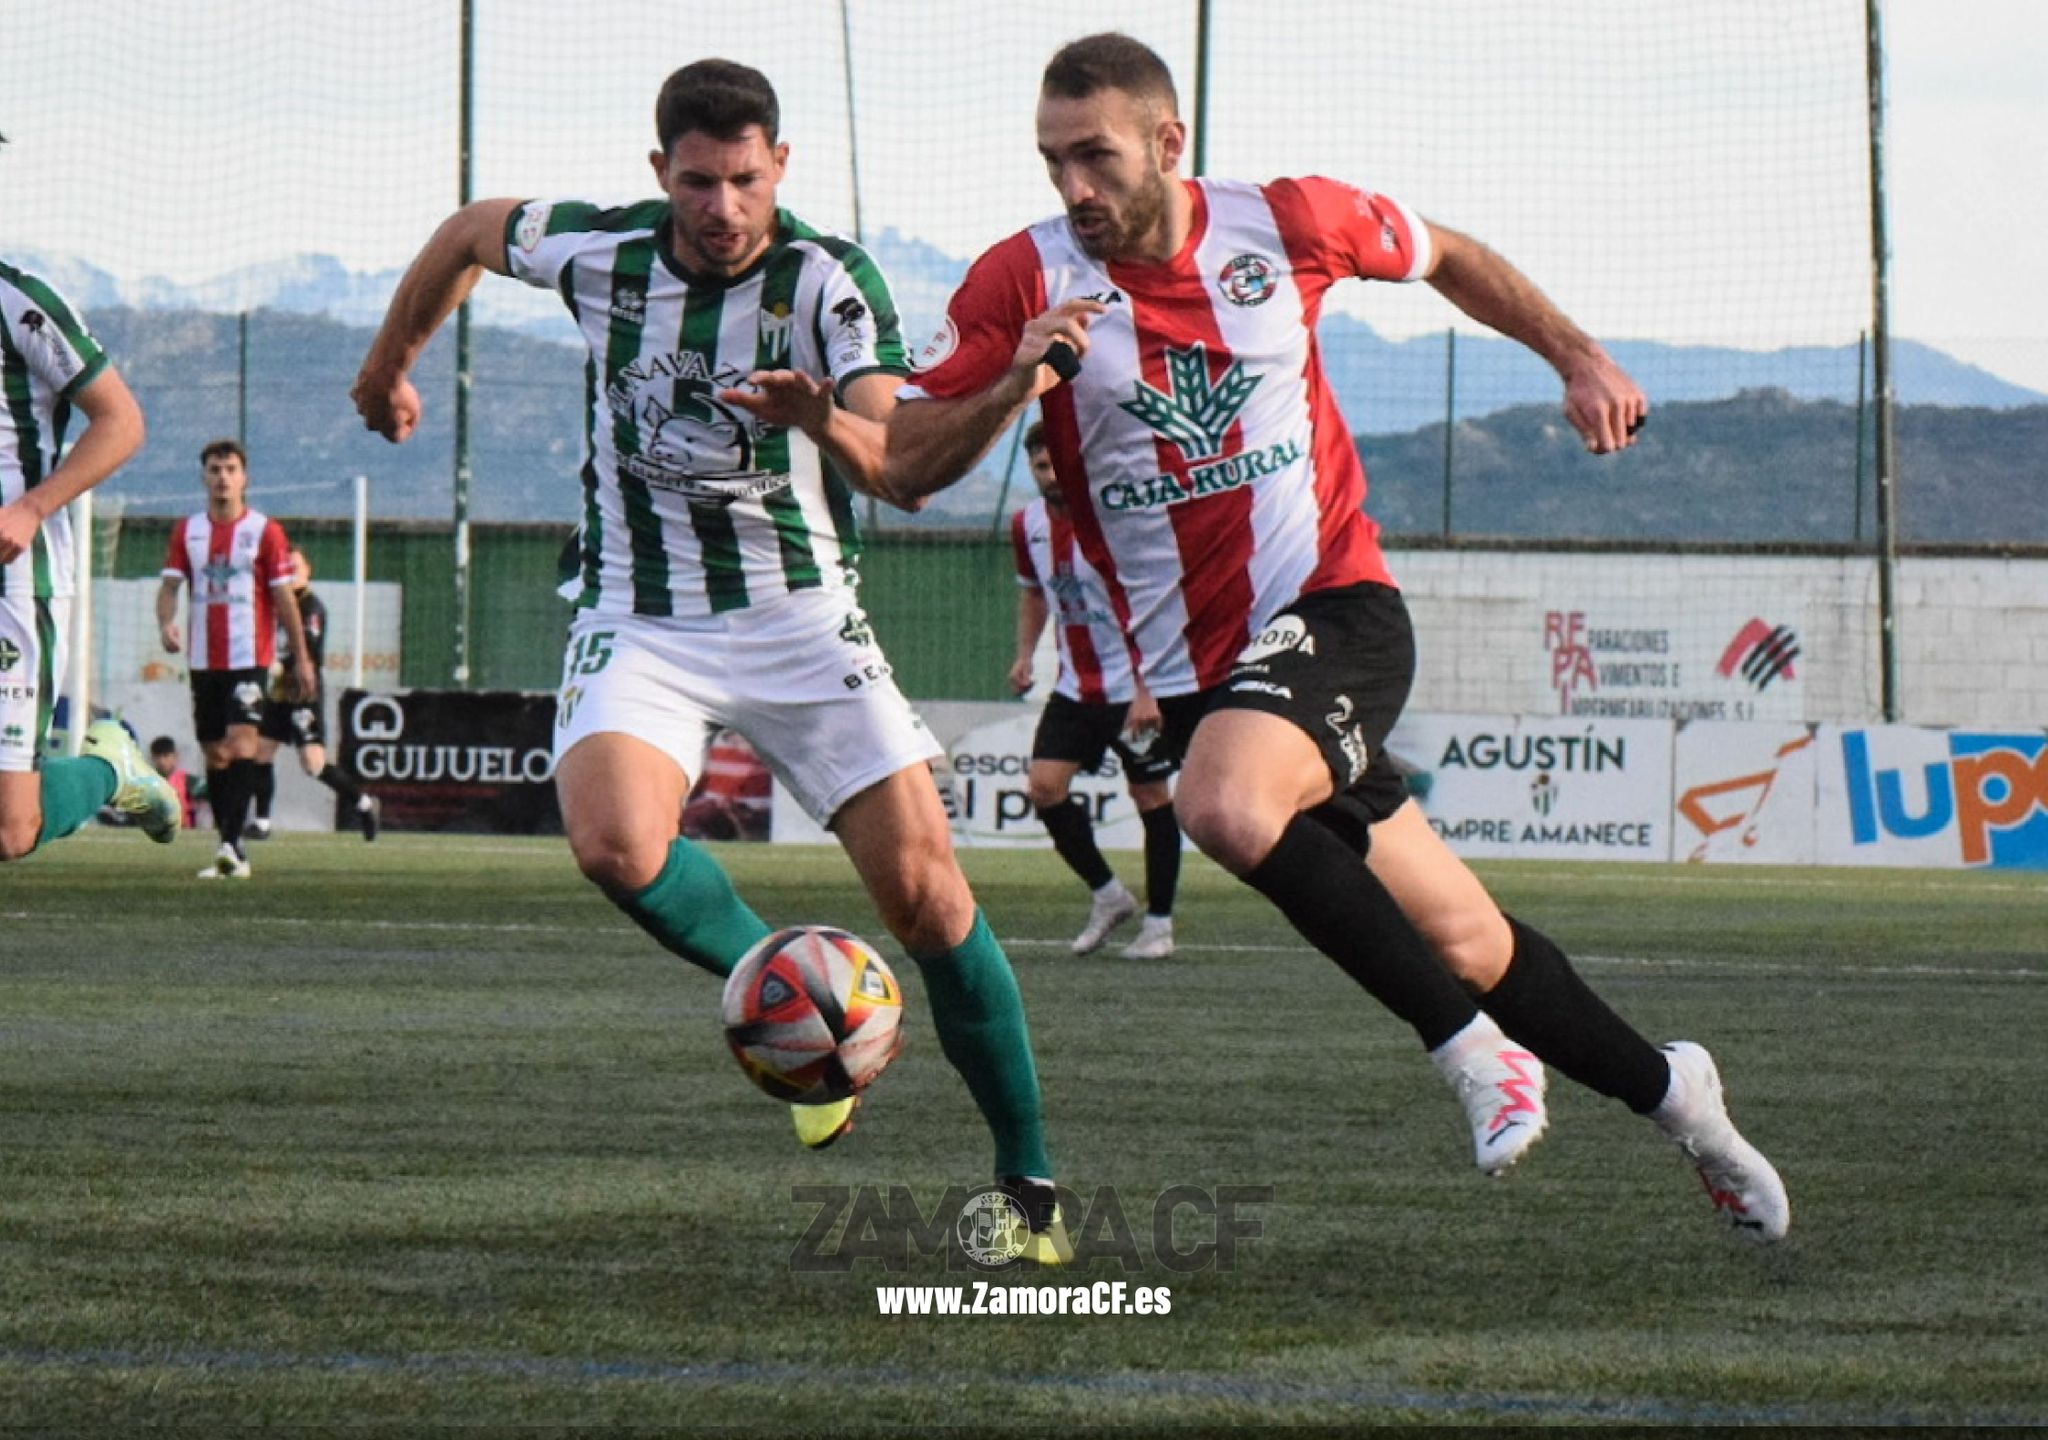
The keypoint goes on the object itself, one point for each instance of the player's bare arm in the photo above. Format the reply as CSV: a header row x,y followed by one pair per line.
x,y
167,614
302,680
1603,404
113,431
1032,613
850,435
469,242
933,443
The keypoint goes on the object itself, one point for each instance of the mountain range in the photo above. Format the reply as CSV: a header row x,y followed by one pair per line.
x,y
310,320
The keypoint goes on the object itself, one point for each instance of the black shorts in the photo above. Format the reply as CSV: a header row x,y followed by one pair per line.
x,y
294,722
221,698
1338,666
1081,733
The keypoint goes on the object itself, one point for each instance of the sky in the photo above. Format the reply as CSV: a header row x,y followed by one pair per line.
x,y
1666,169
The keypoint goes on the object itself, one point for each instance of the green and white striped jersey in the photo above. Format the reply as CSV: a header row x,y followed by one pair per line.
x,y
46,357
692,506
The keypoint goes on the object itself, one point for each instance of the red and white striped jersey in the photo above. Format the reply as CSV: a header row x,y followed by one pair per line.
x,y
234,572
1095,660
1211,478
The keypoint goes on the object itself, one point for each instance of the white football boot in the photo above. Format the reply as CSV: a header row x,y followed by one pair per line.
x,y
1743,1185
1501,1086
1112,906
1154,940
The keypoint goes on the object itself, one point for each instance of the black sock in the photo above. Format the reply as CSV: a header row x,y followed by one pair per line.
x,y
1343,910
332,777
264,788
1543,1003
228,789
1162,858
1073,835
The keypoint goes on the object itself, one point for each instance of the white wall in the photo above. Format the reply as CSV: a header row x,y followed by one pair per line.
x,y
1972,635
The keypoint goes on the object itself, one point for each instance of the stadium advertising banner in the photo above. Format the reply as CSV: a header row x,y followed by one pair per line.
x,y
1744,793
986,799
1540,787
1902,795
1638,660
455,760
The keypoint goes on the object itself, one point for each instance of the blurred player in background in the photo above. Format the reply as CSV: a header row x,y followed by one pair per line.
x,y
1098,704
301,722
239,565
1215,486
50,365
164,759
741,363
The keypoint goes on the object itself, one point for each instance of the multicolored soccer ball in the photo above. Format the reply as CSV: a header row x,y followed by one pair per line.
x,y
813,1014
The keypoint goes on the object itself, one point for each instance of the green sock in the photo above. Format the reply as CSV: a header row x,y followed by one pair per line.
x,y
692,909
73,792
980,1018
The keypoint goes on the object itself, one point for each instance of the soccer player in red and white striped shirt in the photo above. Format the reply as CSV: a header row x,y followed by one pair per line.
x,y
1215,486
239,565
1098,704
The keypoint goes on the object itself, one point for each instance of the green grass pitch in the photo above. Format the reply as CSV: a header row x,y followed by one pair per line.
x,y
424,1131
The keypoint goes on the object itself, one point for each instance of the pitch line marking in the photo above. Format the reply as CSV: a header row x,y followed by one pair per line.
x,y
1168,1385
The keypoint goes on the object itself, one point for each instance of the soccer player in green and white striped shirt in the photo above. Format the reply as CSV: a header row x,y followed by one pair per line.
x,y
740,367
50,365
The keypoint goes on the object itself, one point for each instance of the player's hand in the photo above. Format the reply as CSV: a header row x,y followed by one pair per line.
x,y
1020,676
1604,405
1142,720
303,681
389,405
173,641
18,526
1067,321
791,399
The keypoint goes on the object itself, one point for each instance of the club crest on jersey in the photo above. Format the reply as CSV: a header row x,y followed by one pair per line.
x,y
1248,280
775,326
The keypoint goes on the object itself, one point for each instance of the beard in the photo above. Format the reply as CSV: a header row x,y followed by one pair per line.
x,y
1122,236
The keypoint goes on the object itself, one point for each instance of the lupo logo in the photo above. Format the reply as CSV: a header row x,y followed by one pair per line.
x,y
1992,788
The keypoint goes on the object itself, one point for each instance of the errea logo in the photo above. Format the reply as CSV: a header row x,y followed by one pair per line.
x,y
10,654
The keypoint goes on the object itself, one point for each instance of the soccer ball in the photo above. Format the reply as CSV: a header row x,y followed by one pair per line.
x,y
812,1014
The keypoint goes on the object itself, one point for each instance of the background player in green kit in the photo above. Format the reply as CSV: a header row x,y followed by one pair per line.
x,y
740,364
51,366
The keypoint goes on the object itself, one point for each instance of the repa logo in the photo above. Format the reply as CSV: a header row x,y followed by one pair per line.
x,y
1992,788
1763,652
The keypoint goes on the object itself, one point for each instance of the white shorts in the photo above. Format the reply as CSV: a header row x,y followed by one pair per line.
x,y
801,677
35,641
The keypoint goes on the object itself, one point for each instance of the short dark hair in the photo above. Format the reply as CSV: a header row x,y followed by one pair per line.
x,y
1034,438
163,745
1110,61
224,446
719,97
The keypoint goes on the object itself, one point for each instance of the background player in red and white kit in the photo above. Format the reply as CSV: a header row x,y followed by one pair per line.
x,y
1098,704
1215,486
239,565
